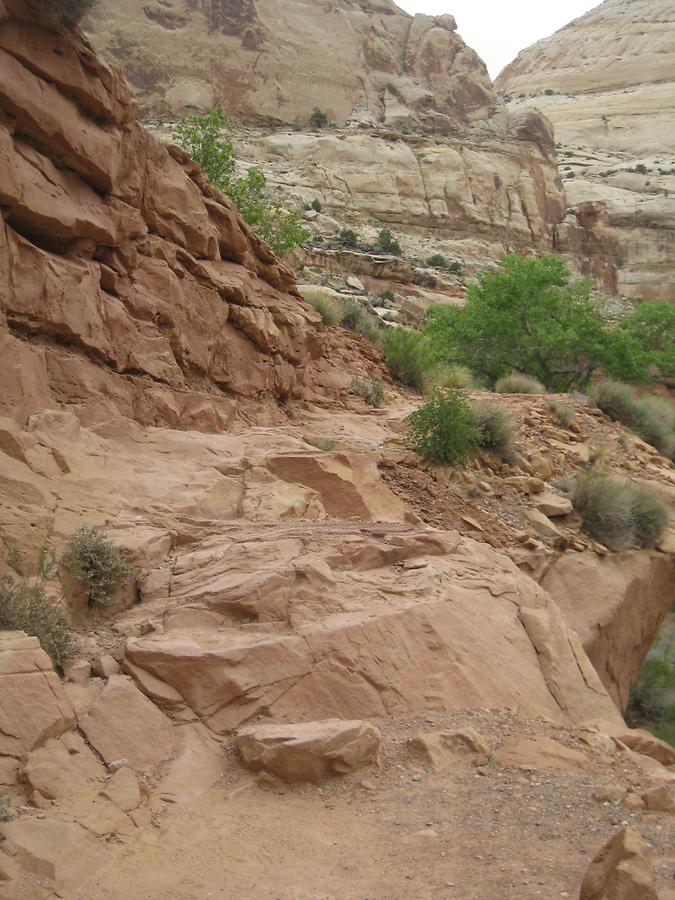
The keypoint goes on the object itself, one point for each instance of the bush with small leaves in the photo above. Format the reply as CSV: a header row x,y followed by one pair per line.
x,y
496,427
316,205
437,261
24,607
318,118
371,390
348,238
408,355
93,561
354,317
652,418
443,430
388,243
561,412
617,513
515,383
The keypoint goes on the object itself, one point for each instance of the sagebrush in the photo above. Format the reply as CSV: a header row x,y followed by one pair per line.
x,y
619,514
652,418
515,383
371,390
496,427
408,356
93,561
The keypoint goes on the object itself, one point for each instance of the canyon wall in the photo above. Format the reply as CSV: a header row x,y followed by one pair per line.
x,y
606,81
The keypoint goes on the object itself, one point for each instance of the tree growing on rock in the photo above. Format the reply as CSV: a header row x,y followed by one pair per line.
x,y
209,141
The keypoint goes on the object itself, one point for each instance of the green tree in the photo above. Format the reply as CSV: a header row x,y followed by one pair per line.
x,y
648,339
527,317
209,141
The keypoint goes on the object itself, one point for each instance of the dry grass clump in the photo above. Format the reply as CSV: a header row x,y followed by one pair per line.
x,y
496,427
444,375
409,356
371,390
515,383
561,412
652,418
325,307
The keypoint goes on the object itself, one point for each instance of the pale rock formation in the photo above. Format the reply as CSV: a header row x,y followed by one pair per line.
x,y
309,751
606,82
442,749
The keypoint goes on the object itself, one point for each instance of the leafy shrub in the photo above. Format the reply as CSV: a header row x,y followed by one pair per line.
x,y
371,390
209,141
318,118
443,429
24,607
348,237
515,383
408,355
652,700
530,317
316,205
93,560
652,418
438,261
444,375
388,296
66,12
617,513
496,427
562,413
388,243
323,305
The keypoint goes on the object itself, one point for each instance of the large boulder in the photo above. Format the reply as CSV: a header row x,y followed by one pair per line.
x,y
309,751
620,871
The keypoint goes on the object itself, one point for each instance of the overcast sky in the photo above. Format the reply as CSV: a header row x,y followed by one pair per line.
x,y
498,30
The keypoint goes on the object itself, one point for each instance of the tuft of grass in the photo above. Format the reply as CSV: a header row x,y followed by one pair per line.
x,y
371,390
444,375
354,317
408,355
561,412
652,418
323,305
515,383
443,429
617,513
92,559
24,607
496,427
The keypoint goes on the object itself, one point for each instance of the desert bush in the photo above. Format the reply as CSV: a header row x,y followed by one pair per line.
x,y
209,141
408,355
92,559
444,375
66,12
318,118
652,700
371,390
652,418
617,513
24,607
496,427
316,205
515,383
438,261
443,430
330,314
354,317
388,243
348,237
561,412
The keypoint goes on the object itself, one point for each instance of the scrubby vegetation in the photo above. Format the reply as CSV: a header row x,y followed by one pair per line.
x,y
316,205
652,418
408,355
561,412
92,560
371,390
652,702
438,261
354,317
209,141
329,312
443,429
496,427
24,607
515,383
67,12
387,243
348,238
318,118
530,317
443,375
618,513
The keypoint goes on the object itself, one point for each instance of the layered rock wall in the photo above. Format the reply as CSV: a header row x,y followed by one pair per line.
x,y
126,282
606,82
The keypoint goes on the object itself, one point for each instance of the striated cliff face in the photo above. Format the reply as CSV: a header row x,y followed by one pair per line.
x,y
607,83
277,59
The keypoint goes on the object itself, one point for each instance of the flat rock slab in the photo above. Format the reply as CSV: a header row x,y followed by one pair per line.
x,y
440,749
309,751
539,753
123,724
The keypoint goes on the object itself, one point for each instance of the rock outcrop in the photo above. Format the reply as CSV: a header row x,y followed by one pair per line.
x,y
606,83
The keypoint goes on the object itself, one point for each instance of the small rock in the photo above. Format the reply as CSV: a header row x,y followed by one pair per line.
x,y
117,764
660,799
620,871
104,666
541,523
77,670
552,505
